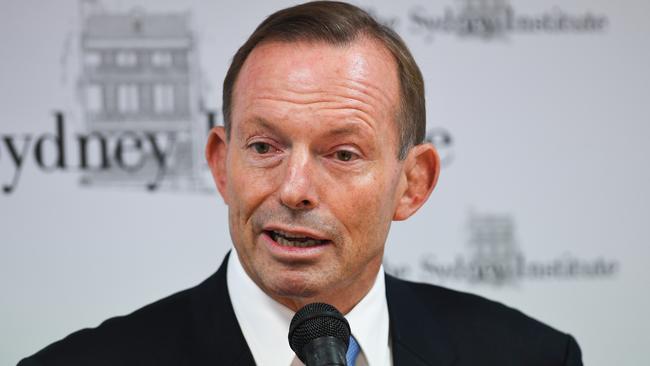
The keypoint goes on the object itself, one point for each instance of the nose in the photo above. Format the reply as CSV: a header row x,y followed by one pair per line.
x,y
297,191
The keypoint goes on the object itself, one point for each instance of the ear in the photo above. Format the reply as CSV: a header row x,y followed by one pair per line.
x,y
421,170
216,154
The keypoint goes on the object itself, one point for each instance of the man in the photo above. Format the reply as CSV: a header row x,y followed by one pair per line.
x,y
321,150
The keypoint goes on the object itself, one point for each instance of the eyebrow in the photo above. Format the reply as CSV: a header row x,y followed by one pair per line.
x,y
346,130
353,128
260,121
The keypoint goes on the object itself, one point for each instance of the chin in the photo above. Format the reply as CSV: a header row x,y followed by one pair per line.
x,y
294,284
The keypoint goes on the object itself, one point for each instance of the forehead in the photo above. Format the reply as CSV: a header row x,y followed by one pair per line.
x,y
363,69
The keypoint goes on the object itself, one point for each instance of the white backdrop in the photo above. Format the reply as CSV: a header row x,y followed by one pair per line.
x,y
543,202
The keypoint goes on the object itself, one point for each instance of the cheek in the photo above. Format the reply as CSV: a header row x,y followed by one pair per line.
x,y
364,205
248,187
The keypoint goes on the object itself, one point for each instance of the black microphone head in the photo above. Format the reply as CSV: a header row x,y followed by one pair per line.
x,y
314,321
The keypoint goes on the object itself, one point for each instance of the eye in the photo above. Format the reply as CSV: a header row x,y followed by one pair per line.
x,y
345,155
261,147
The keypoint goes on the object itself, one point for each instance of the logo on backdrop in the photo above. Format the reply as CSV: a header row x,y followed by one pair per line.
x,y
142,121
494,19
139,86
493,256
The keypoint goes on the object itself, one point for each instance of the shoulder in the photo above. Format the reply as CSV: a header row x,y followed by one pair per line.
x,y
192,327
466,308
158,331
483,329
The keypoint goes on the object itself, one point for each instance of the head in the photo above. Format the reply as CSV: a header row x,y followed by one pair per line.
x,y
321,149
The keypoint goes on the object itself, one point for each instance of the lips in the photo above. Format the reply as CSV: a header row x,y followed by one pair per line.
x,y
293,239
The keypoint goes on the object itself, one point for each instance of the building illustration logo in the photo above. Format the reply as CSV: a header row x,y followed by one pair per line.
x,y
492,245
140,97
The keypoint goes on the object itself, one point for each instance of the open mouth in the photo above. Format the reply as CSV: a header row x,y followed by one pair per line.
x,y
294,240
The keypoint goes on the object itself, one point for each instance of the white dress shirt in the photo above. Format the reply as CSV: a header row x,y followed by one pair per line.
x,y
265,322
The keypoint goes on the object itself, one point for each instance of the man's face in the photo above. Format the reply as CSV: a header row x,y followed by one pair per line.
x,y
312,178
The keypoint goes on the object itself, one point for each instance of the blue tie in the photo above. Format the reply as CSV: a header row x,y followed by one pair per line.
x,y
353,352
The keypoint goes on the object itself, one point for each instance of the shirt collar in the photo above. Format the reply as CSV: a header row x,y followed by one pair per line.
x,y
368,320
370,325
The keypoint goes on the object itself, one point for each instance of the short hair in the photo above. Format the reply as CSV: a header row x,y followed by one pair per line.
x,y
339,23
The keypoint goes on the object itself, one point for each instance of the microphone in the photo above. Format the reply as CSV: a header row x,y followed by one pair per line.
x,y
319,335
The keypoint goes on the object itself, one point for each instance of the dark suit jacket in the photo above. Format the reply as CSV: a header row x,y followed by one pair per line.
x,y
430,325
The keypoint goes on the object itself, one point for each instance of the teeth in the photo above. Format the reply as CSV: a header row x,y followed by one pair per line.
x,y
300,244
291,236
300,241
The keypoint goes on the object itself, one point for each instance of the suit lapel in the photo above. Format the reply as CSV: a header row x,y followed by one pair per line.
x,y
217,333
418,339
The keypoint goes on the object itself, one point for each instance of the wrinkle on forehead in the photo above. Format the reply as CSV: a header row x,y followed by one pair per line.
x,y
353,75
367,102
350,109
